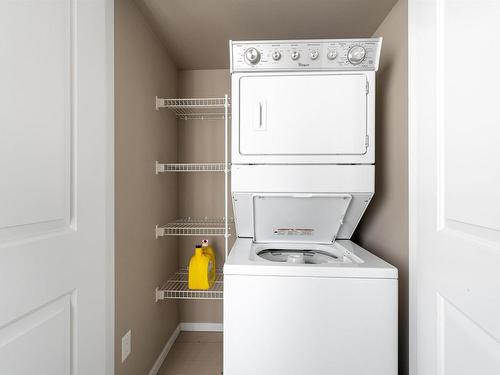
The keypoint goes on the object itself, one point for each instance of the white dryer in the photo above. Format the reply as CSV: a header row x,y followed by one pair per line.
x,y
304,102
299,296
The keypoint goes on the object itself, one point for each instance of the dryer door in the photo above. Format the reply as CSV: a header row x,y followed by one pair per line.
x,y
303,118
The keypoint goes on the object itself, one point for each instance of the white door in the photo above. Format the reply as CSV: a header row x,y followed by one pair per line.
x,y
304,118
56,197
455,187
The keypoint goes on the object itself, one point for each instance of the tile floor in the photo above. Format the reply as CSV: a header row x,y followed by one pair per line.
x,y
194,353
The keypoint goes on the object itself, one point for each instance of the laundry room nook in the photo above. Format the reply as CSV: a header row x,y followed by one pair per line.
x,y
261,181
249,187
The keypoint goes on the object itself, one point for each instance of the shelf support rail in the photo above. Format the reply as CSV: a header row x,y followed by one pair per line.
x,y
226,182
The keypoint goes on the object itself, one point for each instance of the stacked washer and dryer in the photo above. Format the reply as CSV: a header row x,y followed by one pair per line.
x,y
299,296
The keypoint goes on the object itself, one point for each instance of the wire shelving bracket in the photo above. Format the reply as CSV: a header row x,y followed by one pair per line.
x,y
196,108
190,167
193,227
176,287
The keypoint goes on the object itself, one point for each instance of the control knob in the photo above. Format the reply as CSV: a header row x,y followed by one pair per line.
x,y
314,55
356,55
276,55
295,55
252,55
332,54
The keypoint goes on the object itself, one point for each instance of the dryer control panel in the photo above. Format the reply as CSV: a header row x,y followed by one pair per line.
x,y
306,55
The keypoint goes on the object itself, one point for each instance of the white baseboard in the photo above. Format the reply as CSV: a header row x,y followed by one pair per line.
x,y
161,358
201,327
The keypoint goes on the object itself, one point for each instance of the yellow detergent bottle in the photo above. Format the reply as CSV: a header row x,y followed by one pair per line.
x,y
201,270
207,249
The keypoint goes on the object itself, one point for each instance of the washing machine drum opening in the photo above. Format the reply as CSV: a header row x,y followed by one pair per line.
x,y
298,256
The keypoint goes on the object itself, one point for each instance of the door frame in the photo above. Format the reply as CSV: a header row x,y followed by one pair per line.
x,y
110,183
412,191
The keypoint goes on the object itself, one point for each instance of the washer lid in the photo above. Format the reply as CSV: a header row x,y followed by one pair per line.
x,y
305,218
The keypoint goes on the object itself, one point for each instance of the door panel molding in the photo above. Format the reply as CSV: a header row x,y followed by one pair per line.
x,y
29,333
471,232
37,195
456,331
470,127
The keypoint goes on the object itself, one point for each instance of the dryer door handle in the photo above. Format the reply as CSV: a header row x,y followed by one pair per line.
x,y
261,123
260,115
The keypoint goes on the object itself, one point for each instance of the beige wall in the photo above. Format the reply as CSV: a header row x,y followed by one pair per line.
x,y
201,194
142,135
384,228
142,70
196,32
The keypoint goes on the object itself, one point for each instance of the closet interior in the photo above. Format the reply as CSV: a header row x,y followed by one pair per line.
x,y
172,157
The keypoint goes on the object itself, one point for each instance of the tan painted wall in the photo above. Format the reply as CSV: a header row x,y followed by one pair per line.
x,y
196,32
142,70
384,228
201,194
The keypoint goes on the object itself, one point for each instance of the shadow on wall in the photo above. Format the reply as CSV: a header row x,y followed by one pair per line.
x,y
384,228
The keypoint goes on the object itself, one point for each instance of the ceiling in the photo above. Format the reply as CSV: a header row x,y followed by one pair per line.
x,y
196,32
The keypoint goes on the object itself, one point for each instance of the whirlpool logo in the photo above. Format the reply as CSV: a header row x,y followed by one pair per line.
x,y
301,64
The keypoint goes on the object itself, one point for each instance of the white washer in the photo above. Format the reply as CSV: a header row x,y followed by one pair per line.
x,y
282,318
299,296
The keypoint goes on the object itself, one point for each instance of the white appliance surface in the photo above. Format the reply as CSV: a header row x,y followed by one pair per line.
x,y
304,102
357,262
299,178
303,117
323,114
297,300
248,181
310,55
330,318
311,218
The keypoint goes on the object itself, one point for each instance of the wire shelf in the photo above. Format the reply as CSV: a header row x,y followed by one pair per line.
x,y
196,108
190,167
193,227
177,288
